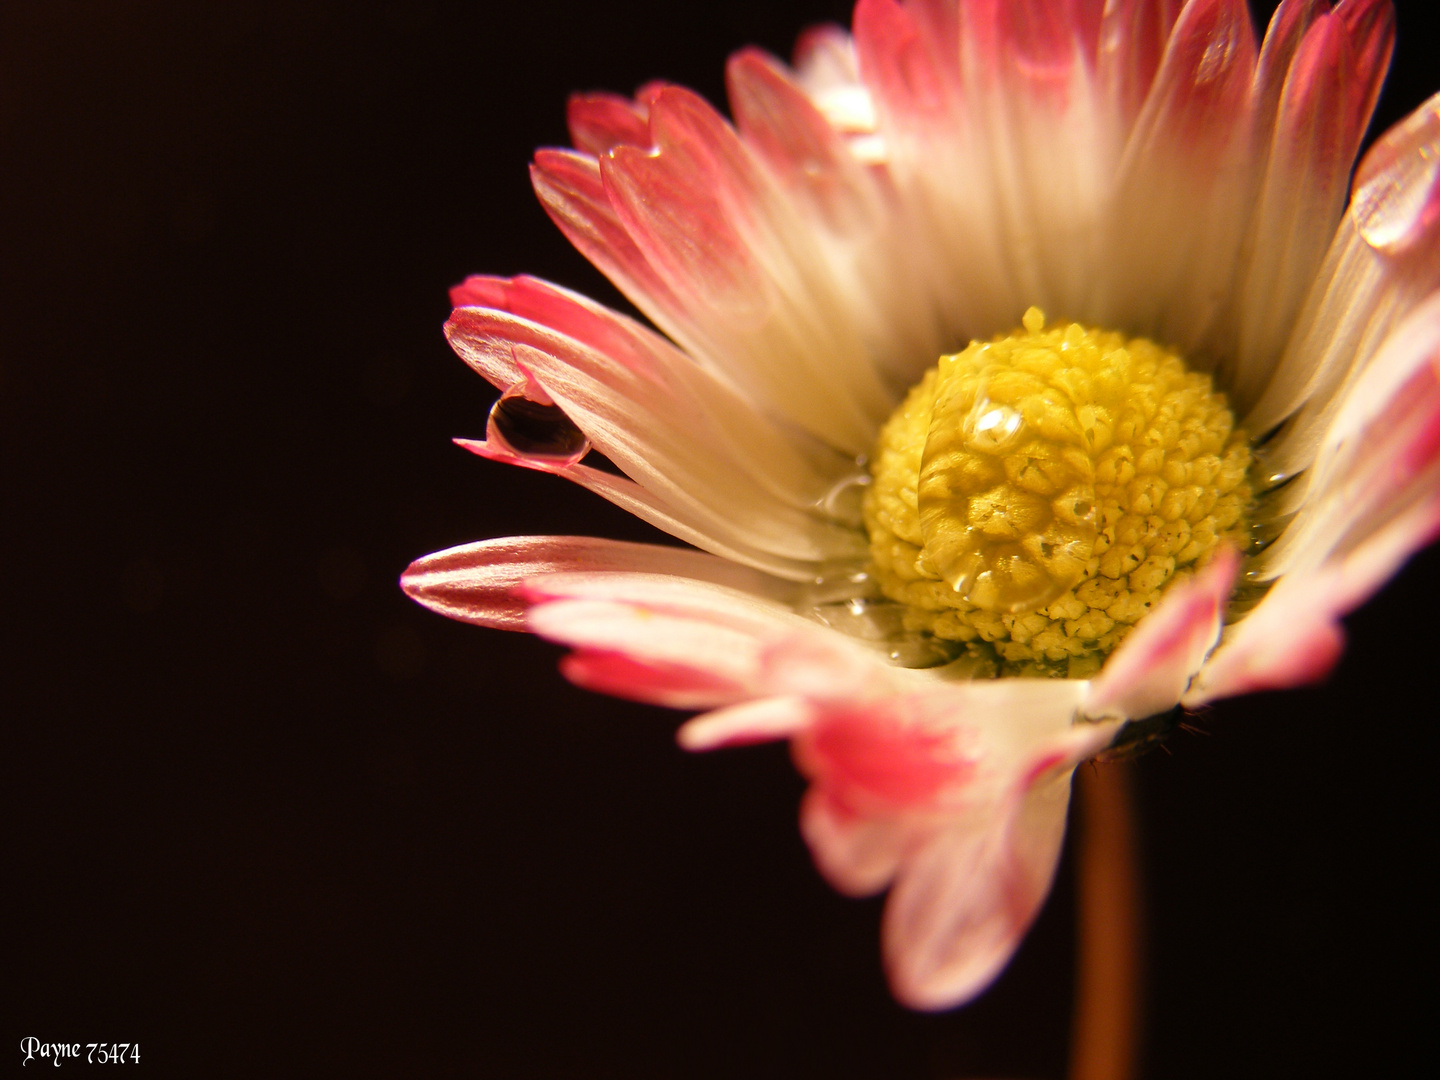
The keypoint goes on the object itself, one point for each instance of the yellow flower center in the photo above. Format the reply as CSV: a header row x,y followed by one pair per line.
x,y
1034,495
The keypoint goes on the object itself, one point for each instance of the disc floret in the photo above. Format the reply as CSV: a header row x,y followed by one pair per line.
x,y
1034,495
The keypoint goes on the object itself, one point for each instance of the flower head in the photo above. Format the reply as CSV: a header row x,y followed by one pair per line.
x,y
939,587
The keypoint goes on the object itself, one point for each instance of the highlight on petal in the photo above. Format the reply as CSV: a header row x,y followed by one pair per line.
x,y
601,122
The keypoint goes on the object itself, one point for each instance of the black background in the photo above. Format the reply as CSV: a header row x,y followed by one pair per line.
x,y
272,818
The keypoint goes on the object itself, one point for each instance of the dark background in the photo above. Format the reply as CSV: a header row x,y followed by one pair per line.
x,y
272,818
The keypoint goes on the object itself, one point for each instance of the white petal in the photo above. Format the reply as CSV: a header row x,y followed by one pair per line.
x,y
481,582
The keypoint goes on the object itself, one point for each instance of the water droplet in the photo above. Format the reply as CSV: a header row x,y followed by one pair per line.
x,y
1007,521
1265,533
1397,186
535,429
993,429
916,650
844,501
882,622
1249,590
868,620
1265,474
837,581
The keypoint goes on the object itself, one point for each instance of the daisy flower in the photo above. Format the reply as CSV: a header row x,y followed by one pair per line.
x,y
1025,371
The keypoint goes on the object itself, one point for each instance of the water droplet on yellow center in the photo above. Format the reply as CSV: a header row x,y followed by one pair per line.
x,y
1035,494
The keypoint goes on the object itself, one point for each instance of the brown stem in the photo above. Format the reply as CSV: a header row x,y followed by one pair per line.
x,y
1105,1036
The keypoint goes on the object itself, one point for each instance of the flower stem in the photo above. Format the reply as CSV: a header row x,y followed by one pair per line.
x,y
1106,1026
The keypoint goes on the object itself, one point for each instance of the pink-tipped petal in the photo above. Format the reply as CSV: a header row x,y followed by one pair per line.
x,y
1282,39
962,903
718,656
672,200
1294,637
808,156
1205,75
857,855
939,750
755,295
654,682
958,793
1380,455
827,667
1151,669
1293,641
481,290
601,122
1182,188
1036,44
481,583
569,187
1319,117
826,68
890,757
686,643
914,81
764,720
1131,43
1371,24
965,898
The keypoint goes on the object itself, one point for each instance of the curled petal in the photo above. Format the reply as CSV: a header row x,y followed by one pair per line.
x,y
1151,669
676,390
1294,637
1380,454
